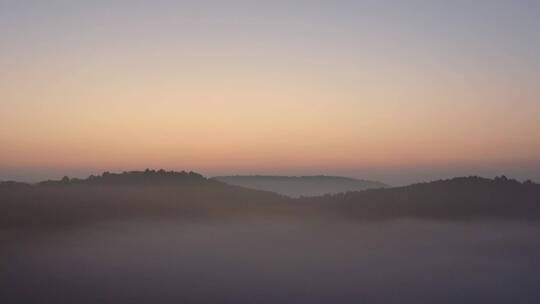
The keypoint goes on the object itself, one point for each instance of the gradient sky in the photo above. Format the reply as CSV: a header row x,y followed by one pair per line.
x,y
397,91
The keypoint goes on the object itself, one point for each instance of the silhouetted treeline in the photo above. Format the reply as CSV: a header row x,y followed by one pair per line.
x,y
190,195
141,178
128,195
457,198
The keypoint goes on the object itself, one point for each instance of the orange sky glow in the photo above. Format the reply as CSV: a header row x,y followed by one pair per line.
x,y
233,92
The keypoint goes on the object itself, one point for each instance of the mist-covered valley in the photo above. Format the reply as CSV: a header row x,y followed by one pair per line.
x,y
178,237
274,261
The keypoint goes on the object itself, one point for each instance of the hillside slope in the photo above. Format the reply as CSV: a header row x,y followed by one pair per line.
x,y
296,186
457,198
182,195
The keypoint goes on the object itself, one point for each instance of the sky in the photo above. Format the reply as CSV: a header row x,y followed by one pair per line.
x,y
398,91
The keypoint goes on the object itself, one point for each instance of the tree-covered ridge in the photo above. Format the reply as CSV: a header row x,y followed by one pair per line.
x,y
185,195
147,176
457,198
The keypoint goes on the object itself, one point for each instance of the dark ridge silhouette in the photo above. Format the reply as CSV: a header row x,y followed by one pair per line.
x,y
10,185
190,195
139,178
297,186
458,198
127,195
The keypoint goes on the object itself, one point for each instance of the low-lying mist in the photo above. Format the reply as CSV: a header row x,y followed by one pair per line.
x,y
177,237
274,261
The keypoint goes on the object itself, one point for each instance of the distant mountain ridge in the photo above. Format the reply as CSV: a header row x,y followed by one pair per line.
x,y
296,186
188,195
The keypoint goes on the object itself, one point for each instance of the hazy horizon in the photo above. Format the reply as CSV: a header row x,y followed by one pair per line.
x,y
391,177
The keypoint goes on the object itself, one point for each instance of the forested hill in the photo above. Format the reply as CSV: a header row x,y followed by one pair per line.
x,y
129,195
457,198
188,195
